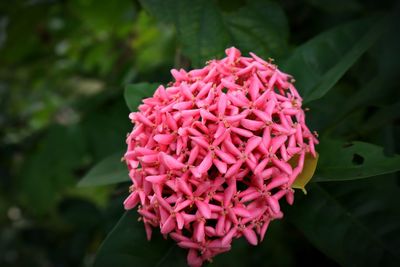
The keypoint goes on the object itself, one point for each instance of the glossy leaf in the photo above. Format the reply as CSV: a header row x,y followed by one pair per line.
x,y
353,223
205,31
319,63
310,164
260,27
126,246
341,161
134,93
108,171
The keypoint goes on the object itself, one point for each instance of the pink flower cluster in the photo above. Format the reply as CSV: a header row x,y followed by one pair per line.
x,y
211,155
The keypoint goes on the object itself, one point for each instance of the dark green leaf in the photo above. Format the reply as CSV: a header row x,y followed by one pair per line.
x,y
161,9
126,246
336,6
205,32
382,117
319,63
260,27
134,93
356,224
50,167
110,170
341,161
201,30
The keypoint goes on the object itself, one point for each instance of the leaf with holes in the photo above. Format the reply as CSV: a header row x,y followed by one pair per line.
x,y
341,161
134,93
108,171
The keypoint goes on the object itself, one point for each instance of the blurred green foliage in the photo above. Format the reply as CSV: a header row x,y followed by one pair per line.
x,y
63,67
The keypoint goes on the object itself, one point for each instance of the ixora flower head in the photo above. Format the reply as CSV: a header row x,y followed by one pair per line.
x,y
211,156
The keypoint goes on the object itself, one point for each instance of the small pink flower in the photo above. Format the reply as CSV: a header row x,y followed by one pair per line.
x,y
233,124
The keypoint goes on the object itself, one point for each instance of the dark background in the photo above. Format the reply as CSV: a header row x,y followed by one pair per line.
x,y
63,67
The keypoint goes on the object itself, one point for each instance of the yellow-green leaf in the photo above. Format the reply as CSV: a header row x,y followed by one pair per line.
x,y
310,164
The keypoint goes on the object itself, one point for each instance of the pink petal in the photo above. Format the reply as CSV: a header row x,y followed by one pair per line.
x,y
229,192
185,91
266,137
232,148
236,118
148,230
178,76
217,243
234,169
156,179
252,143
226,157
220,130
199,234
221,166
277,181
201,141
250,236
274,204
277,142
204,209
193,155
290,197
189,245
264,230
180,221
184,187
252,124
237,101
210,231
193,259
227,239
171,162
284,166
131,201
171,122
147,214
254,88
180,206
242,132
208,115
183,105
219,228
204,166
251,197
242,212
261,166
168,226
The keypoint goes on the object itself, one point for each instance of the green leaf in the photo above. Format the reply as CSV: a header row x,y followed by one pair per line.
x,y
319,63
355,225
341,161
108,171
201,30
49,168
205,31
382,117
126,246
336,6
134,93
260,27
161,9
